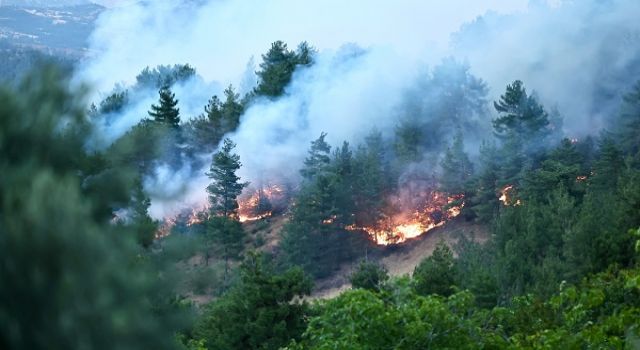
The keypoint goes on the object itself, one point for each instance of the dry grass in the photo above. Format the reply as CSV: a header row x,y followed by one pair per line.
x,y
403,258
399,259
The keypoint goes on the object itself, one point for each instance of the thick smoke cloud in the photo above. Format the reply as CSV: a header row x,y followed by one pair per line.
x,y
346,93
219,36
578,56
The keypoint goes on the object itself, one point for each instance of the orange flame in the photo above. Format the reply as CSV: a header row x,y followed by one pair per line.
x,y
257,205
436,211
198,215
164,229
506,194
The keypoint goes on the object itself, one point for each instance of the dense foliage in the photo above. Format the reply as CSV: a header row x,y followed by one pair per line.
x,y
68,278
83,265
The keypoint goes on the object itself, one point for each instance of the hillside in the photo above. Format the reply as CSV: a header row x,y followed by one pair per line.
x,y
265,235
60,29
209,174
401,259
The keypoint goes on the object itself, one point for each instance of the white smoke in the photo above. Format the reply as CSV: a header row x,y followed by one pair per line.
x,y
573,53
580,56
219,36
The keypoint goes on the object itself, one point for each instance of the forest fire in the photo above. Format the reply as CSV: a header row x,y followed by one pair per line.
x,y
261,203
164,229
190,217
435,210
506,196
252,206
198,215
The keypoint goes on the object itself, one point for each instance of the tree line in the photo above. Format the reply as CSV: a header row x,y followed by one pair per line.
x,y
560,268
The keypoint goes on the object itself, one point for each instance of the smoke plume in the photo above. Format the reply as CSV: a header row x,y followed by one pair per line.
x,y
578,56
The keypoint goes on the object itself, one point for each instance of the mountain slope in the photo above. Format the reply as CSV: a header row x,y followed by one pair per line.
x,y
64,29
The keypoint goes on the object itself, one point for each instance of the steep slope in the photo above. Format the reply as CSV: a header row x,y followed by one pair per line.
x,y
403,258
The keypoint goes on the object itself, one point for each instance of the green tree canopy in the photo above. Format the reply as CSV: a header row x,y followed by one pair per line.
x,y
278,65
264,311
166,111
164,75
69,279
435,274
521,115
319,157
225,186
456,167
369,275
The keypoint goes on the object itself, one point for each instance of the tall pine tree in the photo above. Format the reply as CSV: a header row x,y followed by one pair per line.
x,y
521,115
226,185
319,158
224,228
456,167
166,112
278,65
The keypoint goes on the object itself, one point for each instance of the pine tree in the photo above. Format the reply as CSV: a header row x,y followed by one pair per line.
x,y
278,65
342,185
369,180
204,132
224,228
513,162
369,275
69,279
304,54
319,158
225,188
315,238
213,113
275,71
166,112
408,143
231,110
162,75
114,103
608,165
142,223
227,235
484,202
521,115
563,166
436,273
628,125
263,311
456,167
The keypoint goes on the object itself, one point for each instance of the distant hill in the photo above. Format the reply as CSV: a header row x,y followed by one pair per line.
x,y
54,29
36,31
44,3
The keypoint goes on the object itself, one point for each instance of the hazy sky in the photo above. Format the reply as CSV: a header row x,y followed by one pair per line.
x,y
219,38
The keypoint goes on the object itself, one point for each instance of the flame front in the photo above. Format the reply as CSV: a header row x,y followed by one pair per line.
x,y
260,204
437,209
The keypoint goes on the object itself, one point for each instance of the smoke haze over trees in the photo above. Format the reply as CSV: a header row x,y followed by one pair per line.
x,y
187,181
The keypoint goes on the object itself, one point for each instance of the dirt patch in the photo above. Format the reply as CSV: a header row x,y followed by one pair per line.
x,y
402,259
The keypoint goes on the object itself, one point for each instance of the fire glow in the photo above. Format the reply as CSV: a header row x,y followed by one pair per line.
x,y
436,209
506,196
260,204
408,214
